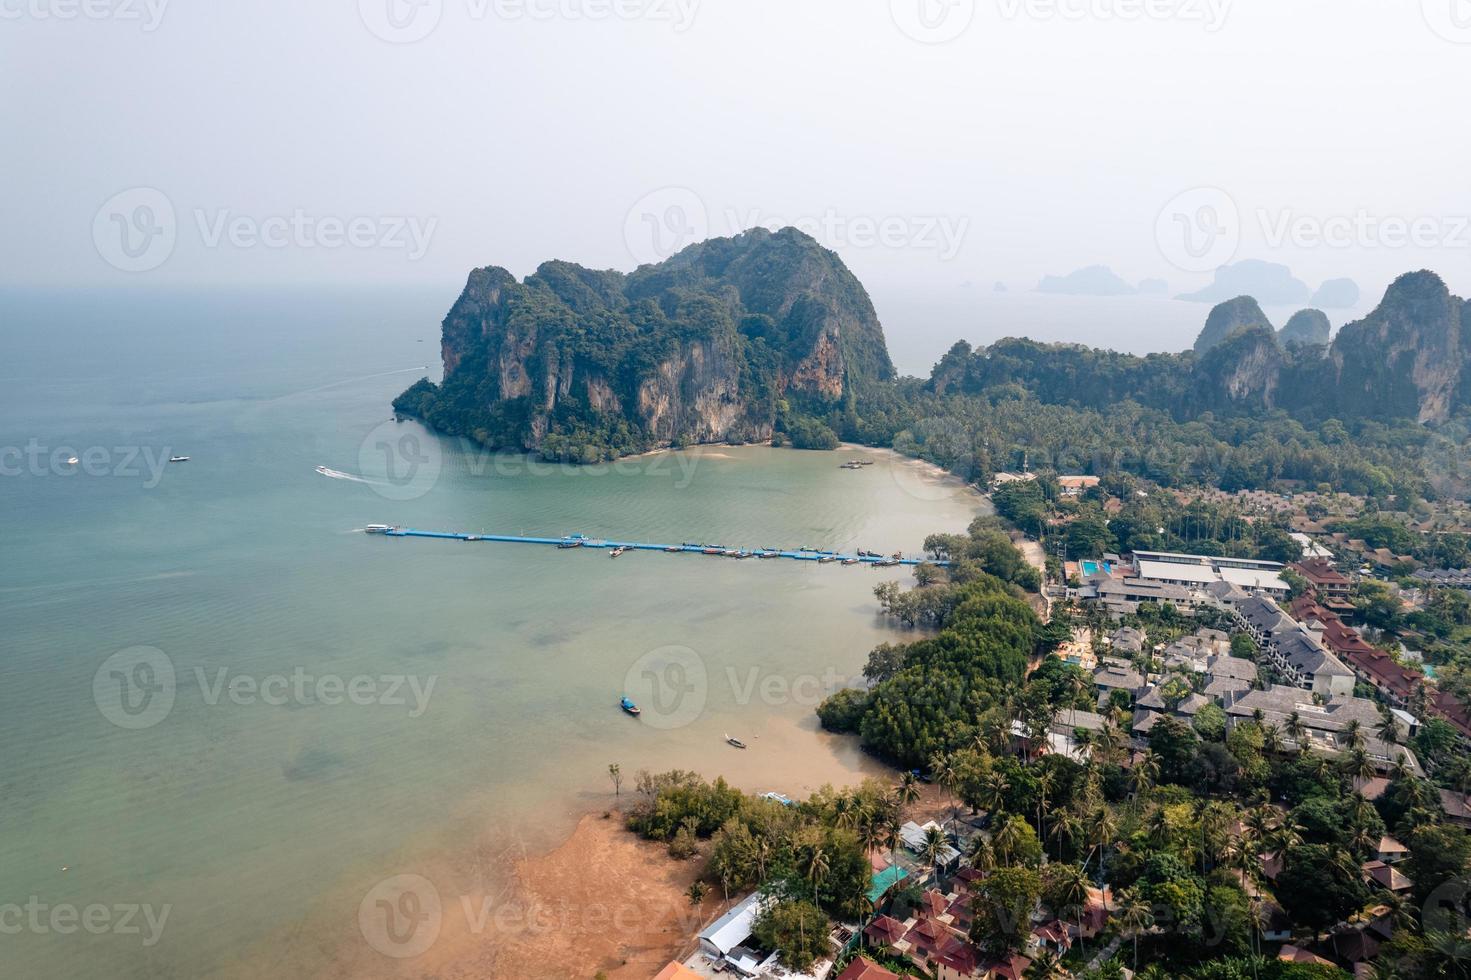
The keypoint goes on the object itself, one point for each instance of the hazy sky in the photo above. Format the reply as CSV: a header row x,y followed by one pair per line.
x,y
931,142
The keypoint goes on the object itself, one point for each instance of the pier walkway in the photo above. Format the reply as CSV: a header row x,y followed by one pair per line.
x,y
581,541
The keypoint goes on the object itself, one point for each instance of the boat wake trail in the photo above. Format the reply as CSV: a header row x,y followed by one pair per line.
x,y
339,475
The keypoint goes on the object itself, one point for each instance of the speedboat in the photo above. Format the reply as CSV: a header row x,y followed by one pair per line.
x,y
618,551
72,461
378,528
570,543
768,554
673,549
735,741
629,707
826,559
178,459
851,561
711,551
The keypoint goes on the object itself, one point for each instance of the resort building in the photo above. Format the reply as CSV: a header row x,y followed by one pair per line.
x,y
1296,654
1326,725
1199,571
1122,596
1331,586
1074,486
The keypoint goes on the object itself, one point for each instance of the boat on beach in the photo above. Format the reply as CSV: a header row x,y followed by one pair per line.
x,y
735,741
629,707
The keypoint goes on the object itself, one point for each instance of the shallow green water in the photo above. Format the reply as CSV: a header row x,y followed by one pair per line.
x,y
250,815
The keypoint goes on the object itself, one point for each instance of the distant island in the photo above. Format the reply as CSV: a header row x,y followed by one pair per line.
x,y
1095,280
767,336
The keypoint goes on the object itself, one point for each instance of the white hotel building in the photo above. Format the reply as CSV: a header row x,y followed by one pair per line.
x,y
1198,571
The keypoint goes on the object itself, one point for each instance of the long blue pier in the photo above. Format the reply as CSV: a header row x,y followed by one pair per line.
x,y
581,541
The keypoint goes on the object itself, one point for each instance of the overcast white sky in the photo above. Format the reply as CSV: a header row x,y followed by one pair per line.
x,y
1043,135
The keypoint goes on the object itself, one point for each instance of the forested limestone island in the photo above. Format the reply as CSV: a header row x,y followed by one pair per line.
x,y
732,340
767,336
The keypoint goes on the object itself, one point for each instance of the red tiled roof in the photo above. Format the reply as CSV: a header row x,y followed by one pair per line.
x,y
864,968
1319,572
959,956
885,930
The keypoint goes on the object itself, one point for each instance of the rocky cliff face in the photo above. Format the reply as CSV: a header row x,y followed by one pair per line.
x,y
1408,357
714,344
1242,372
1226,318
1306,328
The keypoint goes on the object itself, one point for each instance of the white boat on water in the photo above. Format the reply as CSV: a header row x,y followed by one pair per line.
x,y
72,461
178,459
378,528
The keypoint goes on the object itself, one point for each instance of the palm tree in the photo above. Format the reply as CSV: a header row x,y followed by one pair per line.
x,y
1215,818
1388,727
1047,966
1104,829
1079,684
907,792
982,857
1449,953
1144,774
993,793
935,844
1297,731
1272,738
1354,731
817,869
1065,826
1045,780
1072,892
1006,838
1358,765
1135,916
942,766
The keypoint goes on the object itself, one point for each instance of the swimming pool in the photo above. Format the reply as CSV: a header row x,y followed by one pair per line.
x,y
1092,568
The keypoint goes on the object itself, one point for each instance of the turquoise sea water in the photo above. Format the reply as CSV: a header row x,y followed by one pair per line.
x,y
346,707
